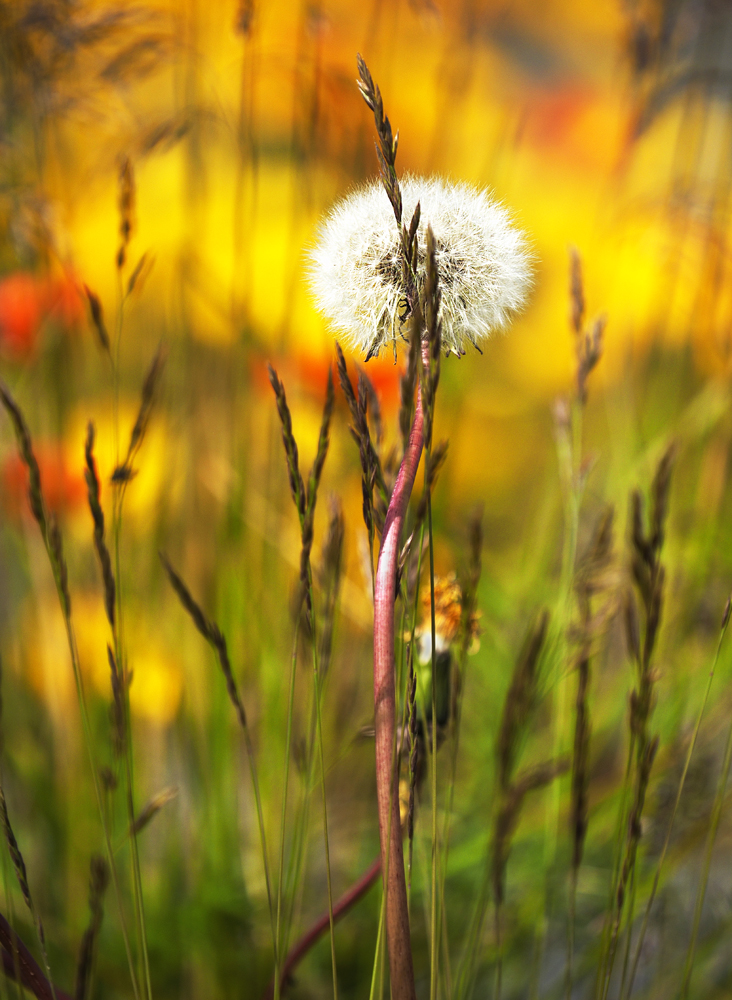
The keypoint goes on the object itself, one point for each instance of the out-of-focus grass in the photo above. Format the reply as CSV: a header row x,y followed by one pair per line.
x,y
239,141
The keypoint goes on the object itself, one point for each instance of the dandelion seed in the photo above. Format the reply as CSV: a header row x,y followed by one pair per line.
x,y
483,262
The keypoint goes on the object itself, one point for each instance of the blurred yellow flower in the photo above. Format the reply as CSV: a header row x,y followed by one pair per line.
x,y
157,683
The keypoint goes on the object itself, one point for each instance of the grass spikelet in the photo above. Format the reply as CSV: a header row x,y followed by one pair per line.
x,y
331,566
117,708
371,471
297,488
323,439
126,204
388,143
149,388
151,808
212,634
304,501
56,551
373,406
98,882
370,462
587,341
308,521
25,447
520,701
105,561
140,272
97,318
576,291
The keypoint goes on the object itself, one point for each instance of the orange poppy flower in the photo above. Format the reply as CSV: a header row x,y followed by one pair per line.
x,y
63,301
21,312
62,490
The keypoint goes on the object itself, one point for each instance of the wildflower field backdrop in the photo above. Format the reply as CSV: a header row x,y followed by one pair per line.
x,y
164,170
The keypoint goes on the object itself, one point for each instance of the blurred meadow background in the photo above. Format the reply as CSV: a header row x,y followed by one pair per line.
x,y
174,158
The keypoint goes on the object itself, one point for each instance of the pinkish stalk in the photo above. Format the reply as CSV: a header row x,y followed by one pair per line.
x,y
392,856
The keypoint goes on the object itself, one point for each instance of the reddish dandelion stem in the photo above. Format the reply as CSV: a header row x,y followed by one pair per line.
x,y
392,855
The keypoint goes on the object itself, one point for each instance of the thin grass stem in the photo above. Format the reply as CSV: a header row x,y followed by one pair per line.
x,y
434,923
128,760
285,788
711,837
316,679
680,789
377,972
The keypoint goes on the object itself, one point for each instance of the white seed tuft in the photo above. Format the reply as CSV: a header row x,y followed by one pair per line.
x,y
483,261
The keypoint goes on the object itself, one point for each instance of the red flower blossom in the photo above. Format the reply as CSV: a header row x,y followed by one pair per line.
x,y
63,301
27,300
20,313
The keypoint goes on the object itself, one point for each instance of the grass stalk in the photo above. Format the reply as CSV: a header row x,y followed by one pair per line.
x,y
215,638
711,837
138,900
52,543
285,789
434,915
316,682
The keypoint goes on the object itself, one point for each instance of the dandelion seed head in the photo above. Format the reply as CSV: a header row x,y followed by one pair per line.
x,y
483,261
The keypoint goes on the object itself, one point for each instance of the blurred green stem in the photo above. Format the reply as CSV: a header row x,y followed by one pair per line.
x,y
687,761
433,916
129,769
285,787
711,837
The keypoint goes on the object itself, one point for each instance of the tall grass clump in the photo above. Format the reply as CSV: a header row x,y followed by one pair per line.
x,y
543,805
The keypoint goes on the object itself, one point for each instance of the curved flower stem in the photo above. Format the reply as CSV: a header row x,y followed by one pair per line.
x,y
392,855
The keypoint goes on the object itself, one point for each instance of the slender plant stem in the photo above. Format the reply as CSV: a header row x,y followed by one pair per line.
x,y
433,922
392,856
569,450
711,837
129,771
377,971
687,761
349,899
325,807
97,791
629,933
279,974
411,646
570,931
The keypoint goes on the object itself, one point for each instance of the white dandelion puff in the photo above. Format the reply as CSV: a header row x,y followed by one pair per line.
x,y
483,261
